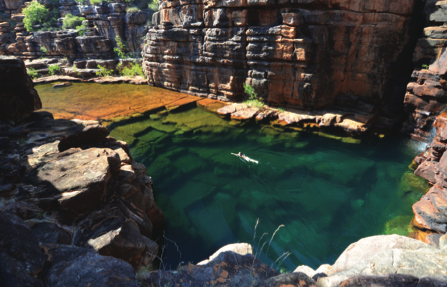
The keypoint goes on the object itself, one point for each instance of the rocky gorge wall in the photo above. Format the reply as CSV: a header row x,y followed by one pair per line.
x,y
104,22
75,207
426,94
305,54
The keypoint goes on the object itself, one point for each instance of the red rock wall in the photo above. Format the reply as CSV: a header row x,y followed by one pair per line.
x,y
426,95
303,53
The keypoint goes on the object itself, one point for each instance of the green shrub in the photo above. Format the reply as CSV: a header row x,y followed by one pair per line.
x,y
55,14
43,49
154,5
35,14
425,67
32,73
95,2
253,99
53,69
71,21
134,70
120,48
75,70
132,9
81,29
103,71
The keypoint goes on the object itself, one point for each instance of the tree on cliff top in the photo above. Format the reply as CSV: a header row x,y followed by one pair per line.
x,y
35,14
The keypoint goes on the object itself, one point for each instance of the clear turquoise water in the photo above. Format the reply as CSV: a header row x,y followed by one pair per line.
x,y
328,192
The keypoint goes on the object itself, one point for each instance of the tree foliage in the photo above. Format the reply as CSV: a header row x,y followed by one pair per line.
x,y
154,5
53,69
132,9
35,14
103,71
120,48
253,99
70,21
32,73
134,69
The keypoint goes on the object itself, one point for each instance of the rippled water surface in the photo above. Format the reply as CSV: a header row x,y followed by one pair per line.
x,y
327,190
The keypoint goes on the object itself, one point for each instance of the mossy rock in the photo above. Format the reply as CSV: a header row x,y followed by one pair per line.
x,y
327,135
350,140
189,163
412,183
296,145
155,117
400,225
413,166
151,136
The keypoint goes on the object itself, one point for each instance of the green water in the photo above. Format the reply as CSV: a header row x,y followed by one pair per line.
x,y
328,192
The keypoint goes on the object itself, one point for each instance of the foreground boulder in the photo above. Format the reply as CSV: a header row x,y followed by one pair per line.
x,y
70,182
21,260
24,263
385,260
69,264
18,98
75,185
232,265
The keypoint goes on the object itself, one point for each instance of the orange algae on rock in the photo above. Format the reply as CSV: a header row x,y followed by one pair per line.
x,y
106,101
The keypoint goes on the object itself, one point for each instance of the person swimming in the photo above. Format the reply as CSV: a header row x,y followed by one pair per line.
x,y
244,157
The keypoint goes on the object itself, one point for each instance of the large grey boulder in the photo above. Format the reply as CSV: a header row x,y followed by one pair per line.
x,y
387,254
366,248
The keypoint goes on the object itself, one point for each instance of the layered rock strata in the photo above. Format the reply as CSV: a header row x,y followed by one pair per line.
x,y
104,23
426,95
431,211
72,184
305,54
79,68
351,121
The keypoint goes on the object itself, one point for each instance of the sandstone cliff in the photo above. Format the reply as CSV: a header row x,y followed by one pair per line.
x,y
427,93
305,54
104,22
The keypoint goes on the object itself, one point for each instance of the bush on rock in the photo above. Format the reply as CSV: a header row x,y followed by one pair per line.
x,y
71,22
35,14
